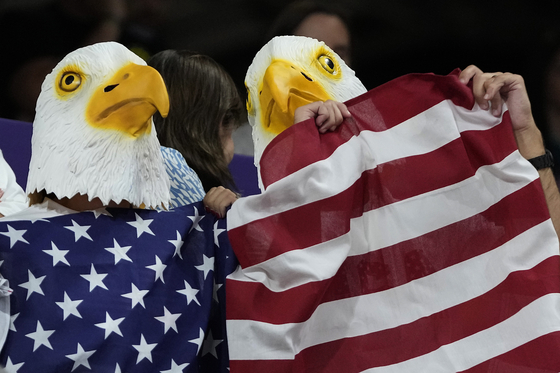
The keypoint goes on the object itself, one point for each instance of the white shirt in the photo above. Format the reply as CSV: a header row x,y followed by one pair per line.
x,y
14,198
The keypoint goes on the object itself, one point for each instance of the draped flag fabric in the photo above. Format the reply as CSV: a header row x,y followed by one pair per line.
x,y
414,238
133,291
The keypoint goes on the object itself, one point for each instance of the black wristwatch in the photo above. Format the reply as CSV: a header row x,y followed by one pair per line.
x,y
544,161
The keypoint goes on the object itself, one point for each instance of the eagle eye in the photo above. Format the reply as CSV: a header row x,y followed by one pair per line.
x,y
70,81
327,63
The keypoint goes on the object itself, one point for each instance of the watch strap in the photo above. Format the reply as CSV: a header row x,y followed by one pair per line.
x,y
544,161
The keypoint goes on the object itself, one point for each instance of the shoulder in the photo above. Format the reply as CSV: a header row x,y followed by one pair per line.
x,y
186,186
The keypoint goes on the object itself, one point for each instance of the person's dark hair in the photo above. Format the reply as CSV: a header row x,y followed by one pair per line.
x,y
291,17
202,97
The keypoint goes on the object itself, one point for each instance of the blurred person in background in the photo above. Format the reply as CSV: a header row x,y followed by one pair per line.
x,y
326,23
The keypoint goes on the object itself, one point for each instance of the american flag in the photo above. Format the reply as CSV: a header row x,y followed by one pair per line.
x,y
415,238
132,291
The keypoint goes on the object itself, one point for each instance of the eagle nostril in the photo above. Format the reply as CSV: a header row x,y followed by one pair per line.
x,y
109,88
306,77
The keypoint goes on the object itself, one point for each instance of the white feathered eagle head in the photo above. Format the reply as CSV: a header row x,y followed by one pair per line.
x,y
93,133
289,72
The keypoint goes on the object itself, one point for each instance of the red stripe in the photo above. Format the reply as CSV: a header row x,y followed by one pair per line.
x,y
541,355
267,366
394,265
390,182
427,334
377,110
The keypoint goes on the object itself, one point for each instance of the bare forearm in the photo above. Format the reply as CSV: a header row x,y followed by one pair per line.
x,y
530,144
552,196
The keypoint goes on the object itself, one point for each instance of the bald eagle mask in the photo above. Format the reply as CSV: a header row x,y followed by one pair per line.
x,y
289,72
93,133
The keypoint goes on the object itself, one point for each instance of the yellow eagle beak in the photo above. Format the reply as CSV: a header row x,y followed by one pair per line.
x,y
285,87
127,101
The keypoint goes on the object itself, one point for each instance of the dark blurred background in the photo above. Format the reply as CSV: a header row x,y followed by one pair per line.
x,y
390,38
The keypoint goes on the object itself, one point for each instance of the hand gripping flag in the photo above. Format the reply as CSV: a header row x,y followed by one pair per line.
x,y
414,238
136,291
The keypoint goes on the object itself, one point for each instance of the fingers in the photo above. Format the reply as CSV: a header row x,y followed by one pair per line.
x,y
492,93
218,199
307,111
468,73
486,88
330,115
498,88
486,92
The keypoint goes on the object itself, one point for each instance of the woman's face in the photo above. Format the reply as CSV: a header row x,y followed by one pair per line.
x,y
227,141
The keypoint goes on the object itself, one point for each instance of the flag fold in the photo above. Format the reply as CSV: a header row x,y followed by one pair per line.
x,y
132,291
414,238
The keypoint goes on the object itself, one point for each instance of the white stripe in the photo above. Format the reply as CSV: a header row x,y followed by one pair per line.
x,y
537,319
397,306
394,223
421,134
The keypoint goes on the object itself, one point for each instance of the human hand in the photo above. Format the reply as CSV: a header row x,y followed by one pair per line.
x,y
496,88
492,89
328,114
218,199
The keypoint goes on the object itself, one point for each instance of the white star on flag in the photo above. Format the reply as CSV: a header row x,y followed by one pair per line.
x,y
216,288
57,255
15,235
206,266
141,225
169,320
198,341
33,220
100,211
176,368
144,349
79,231
81,358
69,307
110,325
196,218
159,267
40,337
217,232
10,367
101,289
210,345
119,252
189,292
178,243
137,296
95,279
12,319
33,285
